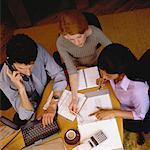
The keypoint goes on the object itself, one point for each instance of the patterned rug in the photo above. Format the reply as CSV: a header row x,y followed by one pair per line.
x,y
130,141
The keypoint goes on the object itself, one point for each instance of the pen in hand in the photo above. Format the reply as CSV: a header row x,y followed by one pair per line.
x,y
92,114
100,83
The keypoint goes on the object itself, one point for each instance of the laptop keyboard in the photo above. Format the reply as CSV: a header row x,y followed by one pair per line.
x,y
34,131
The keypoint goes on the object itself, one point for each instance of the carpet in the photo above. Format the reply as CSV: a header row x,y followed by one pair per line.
x,y
130,141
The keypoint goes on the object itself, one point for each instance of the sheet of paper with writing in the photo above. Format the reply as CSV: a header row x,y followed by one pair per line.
x,y
94,99
87,78
88,125
110,129
91,74
81,80
63,105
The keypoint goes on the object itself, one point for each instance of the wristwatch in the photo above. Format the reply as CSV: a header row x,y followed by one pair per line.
x,y
55,98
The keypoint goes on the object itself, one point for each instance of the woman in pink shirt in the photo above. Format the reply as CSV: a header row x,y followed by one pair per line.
x,y
118,65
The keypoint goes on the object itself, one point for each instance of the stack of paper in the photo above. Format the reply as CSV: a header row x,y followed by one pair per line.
x,y
89,125
64,102
109,127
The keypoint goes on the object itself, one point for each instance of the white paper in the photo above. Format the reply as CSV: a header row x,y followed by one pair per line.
x,y
91,74
87,78
64,102
110,129
90,106
81,80
90,125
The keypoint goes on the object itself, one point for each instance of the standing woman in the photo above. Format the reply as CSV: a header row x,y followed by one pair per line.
x,y
118,65
77,46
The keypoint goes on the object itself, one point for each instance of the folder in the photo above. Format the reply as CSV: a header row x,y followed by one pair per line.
x,y
52,145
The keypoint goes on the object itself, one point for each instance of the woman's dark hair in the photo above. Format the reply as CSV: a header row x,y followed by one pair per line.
x,y
22,49
116,58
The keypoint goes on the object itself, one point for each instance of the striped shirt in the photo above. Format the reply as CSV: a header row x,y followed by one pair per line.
x,y
87,55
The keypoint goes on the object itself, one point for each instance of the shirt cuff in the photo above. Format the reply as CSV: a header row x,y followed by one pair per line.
x,y
25,114
138,116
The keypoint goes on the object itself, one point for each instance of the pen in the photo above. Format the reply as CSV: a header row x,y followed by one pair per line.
x,y
79,108
100,83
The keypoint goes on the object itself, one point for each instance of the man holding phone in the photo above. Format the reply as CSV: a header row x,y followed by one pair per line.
x,y
24,76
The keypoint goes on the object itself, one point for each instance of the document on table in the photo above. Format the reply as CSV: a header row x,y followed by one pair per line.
x,y
56,144
5,132
87,78
64,102
94,99
110,129
88,125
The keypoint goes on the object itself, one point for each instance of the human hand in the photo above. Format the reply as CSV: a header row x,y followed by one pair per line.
x,y
48,115
103,114
73,106
15,78
101,82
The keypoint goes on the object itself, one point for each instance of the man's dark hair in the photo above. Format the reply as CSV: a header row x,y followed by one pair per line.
x,y
22,49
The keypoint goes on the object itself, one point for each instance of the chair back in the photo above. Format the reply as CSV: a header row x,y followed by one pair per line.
x,y
144,62
92,19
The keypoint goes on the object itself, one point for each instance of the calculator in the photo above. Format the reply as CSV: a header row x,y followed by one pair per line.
x,y
97,138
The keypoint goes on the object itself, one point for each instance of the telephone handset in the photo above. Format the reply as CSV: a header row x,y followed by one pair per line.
x,y
12,68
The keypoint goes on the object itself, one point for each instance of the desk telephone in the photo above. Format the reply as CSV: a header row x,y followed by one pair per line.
x,y
12,68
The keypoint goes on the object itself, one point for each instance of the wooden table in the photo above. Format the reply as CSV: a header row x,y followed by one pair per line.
x,y
63,123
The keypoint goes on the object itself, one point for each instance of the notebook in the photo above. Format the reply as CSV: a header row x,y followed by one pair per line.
x,y
92,125
56,144
87,78
64,102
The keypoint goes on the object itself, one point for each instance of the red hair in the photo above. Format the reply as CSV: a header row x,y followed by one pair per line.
x,y
72,22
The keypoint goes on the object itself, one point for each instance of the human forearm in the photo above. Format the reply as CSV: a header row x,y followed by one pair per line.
x,y
122,113
74,85
25,103
111,113
55,99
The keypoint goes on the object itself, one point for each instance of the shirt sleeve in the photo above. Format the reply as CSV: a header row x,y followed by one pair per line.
x,y
14,98
101,37
54,71
67,58
141,104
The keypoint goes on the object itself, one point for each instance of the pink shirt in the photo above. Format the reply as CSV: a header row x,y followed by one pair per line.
x,y
133,96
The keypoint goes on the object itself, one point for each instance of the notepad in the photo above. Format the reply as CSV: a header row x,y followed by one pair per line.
x,y
87,78
64,102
